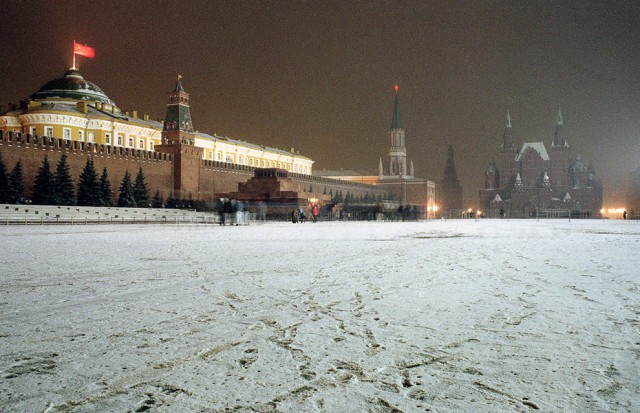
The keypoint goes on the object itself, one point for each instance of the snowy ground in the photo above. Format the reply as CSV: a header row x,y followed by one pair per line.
x,y
439,316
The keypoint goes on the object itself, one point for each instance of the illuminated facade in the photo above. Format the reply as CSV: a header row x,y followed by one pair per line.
x,y
534,181
396,176
74,109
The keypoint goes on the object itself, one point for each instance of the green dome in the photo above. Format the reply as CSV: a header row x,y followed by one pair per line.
x,y
72,86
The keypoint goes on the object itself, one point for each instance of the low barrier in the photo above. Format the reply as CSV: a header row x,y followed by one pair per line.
x,y
76,215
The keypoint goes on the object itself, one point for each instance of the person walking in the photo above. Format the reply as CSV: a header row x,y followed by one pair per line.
x,y
315,211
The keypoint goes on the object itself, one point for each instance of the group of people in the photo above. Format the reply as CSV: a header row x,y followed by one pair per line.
x,y
298,214
232,212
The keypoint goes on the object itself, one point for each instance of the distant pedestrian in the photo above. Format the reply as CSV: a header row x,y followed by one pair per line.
x,y
315,211
239,213
262,211
624,214
294,216
301,215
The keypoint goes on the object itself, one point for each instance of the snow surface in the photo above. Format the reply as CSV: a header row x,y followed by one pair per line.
x,y
439,316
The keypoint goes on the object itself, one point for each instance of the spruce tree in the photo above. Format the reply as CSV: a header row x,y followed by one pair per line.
x,y
16,185
44,189
125,197
4,183
156,202
140,191
106,194
64,183
172,202
88,186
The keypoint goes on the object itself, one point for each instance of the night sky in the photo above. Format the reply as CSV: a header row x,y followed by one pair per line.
x,y
319,75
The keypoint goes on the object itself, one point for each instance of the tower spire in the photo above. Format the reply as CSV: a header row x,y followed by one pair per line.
x,y
396,121
507,137
178,115
398,152
560,122
558,136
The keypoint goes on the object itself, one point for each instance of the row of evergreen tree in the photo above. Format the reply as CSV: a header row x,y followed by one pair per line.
x,y
58,189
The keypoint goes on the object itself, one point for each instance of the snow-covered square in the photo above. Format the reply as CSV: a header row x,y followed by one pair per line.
x,y
440,316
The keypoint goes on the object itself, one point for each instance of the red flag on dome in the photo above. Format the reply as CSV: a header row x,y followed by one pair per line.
x,y
83,50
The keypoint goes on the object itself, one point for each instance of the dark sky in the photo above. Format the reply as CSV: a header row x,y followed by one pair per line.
x,y
319,75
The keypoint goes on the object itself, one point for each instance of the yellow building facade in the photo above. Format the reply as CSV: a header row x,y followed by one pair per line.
x,y
72,108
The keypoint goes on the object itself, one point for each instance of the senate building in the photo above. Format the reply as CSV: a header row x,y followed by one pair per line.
x,y
75,109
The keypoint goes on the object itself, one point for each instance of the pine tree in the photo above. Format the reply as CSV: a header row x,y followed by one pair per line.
x,y
16,185
106,194
88,186
172,202
44,189
156,202
64,183
140,191
4,183
125,197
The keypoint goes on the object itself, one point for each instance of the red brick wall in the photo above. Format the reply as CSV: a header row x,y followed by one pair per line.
x,y
157,168
210,177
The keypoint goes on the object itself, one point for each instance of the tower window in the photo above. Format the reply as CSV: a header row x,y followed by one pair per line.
x,y
66,133
48,131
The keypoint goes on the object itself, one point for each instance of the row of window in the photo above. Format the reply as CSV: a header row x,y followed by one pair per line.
x,y
66,134
260,163
120,141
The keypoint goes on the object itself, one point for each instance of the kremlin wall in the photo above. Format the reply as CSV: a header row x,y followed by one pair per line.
x,y
74,116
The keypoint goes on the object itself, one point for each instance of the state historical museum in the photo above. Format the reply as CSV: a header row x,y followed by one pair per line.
x,y
534,181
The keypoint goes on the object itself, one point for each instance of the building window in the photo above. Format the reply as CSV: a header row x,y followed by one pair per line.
x,y
90,137
240,159
219,155
251,161
262,162
107,139
48,131
81,135
141,144
150,146
131,143
66,133
32,131
120,140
